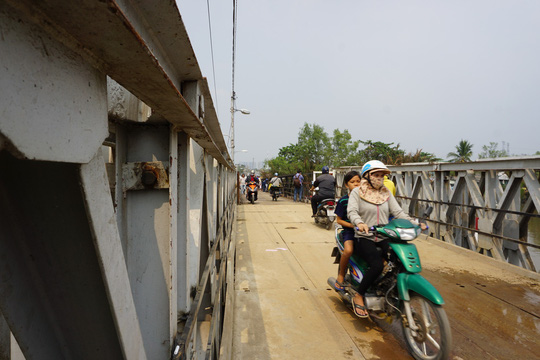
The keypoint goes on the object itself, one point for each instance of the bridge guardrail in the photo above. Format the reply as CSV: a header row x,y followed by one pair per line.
x,y
288,187
220,264
123,174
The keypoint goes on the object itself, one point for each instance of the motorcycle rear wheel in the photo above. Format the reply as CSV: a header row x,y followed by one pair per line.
x,y
434,338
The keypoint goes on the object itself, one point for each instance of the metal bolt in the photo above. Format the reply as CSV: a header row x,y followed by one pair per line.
x,y
149,175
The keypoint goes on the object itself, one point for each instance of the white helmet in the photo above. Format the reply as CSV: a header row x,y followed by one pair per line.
x,y
252,171
374,165
275,174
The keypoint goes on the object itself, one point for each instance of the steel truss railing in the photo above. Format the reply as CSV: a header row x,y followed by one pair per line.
x,y
484,206
215,291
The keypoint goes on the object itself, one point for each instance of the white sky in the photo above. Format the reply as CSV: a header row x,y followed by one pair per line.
x,y
424,74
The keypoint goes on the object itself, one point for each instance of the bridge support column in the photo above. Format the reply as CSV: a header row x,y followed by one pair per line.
x,y
143,154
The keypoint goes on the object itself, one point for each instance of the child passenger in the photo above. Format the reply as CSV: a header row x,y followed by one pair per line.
x,y
350,181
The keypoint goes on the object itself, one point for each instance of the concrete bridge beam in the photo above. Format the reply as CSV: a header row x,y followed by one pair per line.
x,y
100,255
52,292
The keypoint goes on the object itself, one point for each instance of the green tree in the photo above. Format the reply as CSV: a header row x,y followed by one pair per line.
x,y
419,156
313,147
281,166
344,149
491,151
463,152
290,152
376,150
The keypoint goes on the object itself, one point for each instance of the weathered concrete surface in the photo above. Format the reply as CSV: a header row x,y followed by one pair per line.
x,y
285,310
493,307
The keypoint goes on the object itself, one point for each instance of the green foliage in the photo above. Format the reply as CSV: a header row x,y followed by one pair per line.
x,y
282,166
377,150
315,148
463,152
344,150
491,151
420,156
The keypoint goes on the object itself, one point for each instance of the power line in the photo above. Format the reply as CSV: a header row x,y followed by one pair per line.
x,y
212,52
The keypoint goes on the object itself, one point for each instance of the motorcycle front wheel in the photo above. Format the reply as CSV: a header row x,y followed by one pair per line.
x,y
433,339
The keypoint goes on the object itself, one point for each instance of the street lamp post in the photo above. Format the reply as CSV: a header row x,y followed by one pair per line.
x,y
233,110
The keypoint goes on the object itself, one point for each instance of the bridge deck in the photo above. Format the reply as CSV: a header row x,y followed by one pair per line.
x,y
285,310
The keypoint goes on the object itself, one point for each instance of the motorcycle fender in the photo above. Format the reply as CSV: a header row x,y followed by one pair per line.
x,y
336,254
415,282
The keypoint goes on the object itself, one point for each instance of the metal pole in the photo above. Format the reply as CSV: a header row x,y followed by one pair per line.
x,y
233,97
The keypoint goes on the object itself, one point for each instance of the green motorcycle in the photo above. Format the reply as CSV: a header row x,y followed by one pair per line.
x,y
401,292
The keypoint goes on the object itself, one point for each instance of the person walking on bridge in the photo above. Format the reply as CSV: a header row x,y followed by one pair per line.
x,y
298,184
243,183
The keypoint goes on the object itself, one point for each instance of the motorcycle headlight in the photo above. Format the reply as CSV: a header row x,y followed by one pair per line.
x,y
392,233
407,234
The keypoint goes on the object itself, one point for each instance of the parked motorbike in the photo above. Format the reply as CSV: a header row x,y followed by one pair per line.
x,y
275,191
400,292
252,191
325,213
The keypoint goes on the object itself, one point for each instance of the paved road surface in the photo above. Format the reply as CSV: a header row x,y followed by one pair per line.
x,y
285,310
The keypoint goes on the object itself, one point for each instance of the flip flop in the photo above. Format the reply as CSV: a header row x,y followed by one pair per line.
x,y
356,306
340,288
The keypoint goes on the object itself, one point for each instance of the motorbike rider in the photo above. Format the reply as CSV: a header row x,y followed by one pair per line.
x,y
351,180
275,183
371,204
252,178
327,189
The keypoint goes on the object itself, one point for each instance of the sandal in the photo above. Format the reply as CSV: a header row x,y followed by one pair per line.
x,y
363,308
339,286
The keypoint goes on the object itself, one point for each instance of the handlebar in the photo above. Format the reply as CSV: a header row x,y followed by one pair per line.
x,y
373,230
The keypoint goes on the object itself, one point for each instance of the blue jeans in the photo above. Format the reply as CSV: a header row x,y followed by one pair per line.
x,y
299,192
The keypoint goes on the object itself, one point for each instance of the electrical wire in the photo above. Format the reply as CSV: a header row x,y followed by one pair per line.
x,y
212,53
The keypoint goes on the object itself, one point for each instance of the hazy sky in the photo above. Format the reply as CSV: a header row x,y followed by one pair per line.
x,y
424,74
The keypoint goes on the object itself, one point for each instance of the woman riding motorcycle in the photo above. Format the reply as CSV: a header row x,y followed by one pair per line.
x,y
371,204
